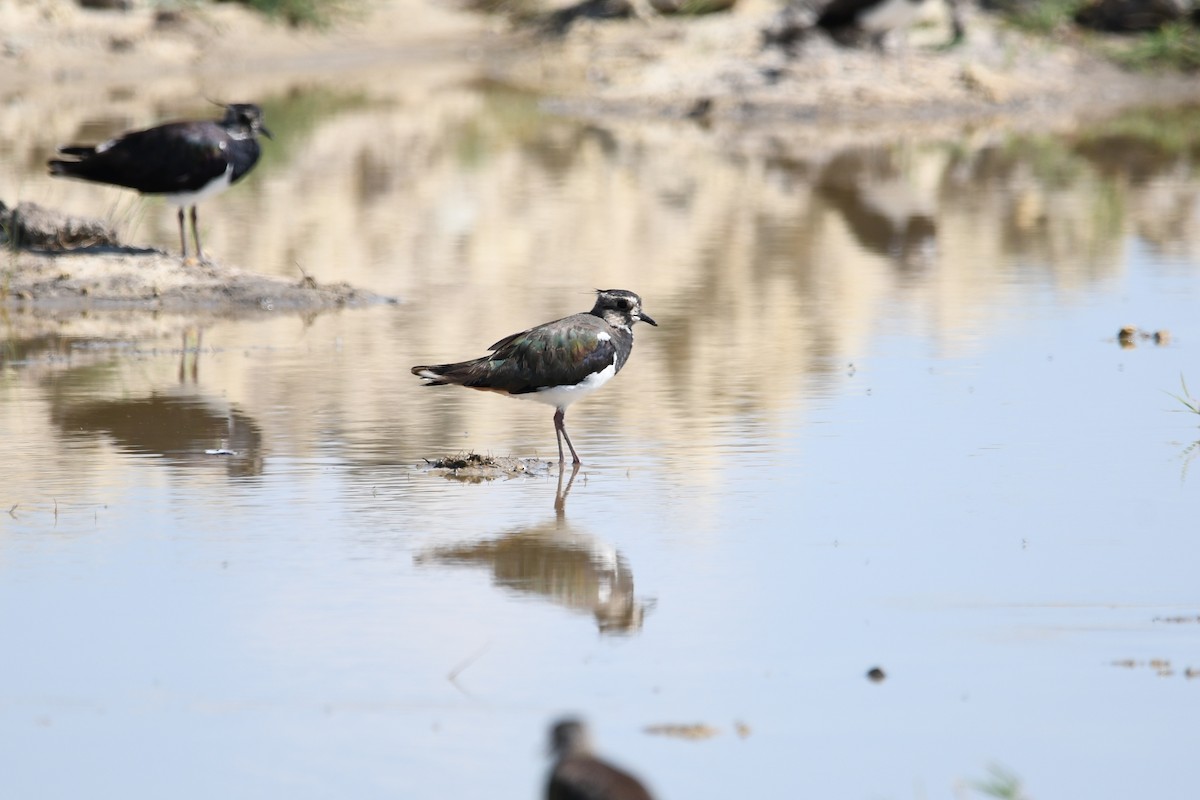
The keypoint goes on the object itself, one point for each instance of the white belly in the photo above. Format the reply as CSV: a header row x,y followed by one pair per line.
x,y
213,187
563,396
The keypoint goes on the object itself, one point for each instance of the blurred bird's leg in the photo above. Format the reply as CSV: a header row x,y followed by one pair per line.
x,y
182,235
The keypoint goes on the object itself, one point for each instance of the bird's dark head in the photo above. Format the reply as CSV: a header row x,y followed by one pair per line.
x,y
620,308
569,737
245,117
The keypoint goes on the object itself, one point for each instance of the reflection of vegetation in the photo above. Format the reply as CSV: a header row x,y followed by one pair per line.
x,y
1175,45
1192,405
1171,131
513,117
293,116
1187,456
515,111
1059,170
1001,783
300,13
1049,158
509,114
1175,131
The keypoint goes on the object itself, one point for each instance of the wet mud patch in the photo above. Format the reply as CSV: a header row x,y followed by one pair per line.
x,y
57,262
476,467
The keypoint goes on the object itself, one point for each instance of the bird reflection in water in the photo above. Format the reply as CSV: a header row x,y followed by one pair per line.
x,y
559,563
181,423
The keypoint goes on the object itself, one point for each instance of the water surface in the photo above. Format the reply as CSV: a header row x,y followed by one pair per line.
x,y
885,421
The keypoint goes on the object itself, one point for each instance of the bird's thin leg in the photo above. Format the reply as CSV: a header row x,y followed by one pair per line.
x,y
196,236
560,429
558,415
182,235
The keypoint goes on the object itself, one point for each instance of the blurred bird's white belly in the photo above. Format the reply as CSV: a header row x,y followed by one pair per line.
x,y
563,396
213,187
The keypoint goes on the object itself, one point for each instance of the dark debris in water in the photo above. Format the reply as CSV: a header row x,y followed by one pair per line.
x,y
476,467
1129,335
693,731
463,461
1161,667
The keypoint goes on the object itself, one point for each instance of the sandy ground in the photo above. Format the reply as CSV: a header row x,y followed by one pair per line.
x,y
748,97
668,65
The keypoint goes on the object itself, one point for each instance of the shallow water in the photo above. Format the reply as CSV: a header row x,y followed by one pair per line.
x,y
885,421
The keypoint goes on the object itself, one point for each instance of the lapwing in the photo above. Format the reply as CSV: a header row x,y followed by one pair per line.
x,y
185,162
556,363
579,775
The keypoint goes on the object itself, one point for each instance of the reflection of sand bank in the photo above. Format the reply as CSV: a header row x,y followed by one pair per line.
x,y
485,216
182,426
91,410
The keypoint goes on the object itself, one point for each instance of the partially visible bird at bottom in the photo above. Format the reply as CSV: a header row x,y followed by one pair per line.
x,y
578,774
557,363
185,161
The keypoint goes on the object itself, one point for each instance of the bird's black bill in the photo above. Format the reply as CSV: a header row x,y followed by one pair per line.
x,y
644,317
263,130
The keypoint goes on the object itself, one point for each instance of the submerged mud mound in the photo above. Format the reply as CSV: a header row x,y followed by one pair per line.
x,y
475,467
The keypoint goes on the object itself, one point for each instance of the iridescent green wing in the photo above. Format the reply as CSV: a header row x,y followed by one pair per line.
x,y
559,353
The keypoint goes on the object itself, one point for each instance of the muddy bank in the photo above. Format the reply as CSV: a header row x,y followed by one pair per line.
x,y
62,263
112,278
